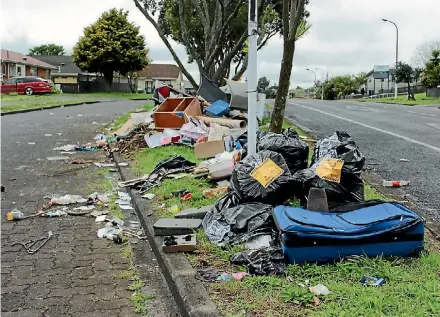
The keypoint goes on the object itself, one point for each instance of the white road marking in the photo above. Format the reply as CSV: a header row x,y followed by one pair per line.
x,y
434,125
429,146
426,114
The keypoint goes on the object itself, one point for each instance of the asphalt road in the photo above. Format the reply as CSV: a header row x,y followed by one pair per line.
x,y
75,273
385,133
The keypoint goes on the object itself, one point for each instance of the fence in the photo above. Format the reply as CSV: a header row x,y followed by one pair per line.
x,y
433,92
91,83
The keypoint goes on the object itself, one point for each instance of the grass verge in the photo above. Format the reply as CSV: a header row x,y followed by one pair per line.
x,y
421,99
43,104
121,95
118,122
412,288
138,297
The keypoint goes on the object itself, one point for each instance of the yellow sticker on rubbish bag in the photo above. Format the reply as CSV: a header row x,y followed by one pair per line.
x,y
266,172
330,170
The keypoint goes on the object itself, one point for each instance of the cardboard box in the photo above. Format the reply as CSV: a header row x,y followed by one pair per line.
x,y
174,112
209,149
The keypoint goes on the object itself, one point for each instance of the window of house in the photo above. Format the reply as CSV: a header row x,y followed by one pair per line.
x,y
19,71
33,71
148,86
4,69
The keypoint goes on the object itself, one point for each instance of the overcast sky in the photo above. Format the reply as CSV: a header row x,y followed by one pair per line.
x,y
347,36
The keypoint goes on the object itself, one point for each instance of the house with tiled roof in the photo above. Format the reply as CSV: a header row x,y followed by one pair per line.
x,y
167,73
15,64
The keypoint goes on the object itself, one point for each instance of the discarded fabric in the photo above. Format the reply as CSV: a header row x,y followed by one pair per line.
x,y
85,148
264,261
54,213
207,275
67,200
319,290
104,164
68,147
149,196
84,208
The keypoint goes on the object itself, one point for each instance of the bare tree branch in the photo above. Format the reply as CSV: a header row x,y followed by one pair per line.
x,y
184,30
242,69
166,42
232,53
219,38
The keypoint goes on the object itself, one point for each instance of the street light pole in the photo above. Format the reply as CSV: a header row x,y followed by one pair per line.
x,y
322,83
252,76
313,74
397,55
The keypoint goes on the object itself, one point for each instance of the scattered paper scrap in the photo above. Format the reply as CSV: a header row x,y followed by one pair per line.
x,y
100,218
123,164
126,207
149,196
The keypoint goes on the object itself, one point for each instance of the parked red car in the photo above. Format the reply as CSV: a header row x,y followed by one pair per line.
x,y
26,85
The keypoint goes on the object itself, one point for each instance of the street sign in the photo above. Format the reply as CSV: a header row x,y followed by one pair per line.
x,y
381,71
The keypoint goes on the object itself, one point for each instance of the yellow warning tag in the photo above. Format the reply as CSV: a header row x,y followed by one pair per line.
x,y
330,170
266,172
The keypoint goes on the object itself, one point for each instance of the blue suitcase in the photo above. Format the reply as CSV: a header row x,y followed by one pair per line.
x,y
387,229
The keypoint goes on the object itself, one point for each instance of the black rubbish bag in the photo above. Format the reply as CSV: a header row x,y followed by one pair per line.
x,y
228,200
238,224
172,165
350,187
294,151
340,145
263,261
262,177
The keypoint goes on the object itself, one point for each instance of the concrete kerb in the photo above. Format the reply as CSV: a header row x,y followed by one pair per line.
x,y
190,294
50,107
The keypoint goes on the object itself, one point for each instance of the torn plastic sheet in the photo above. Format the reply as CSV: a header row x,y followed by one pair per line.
x,y
67,200
350,188
173,165
262,177
67,148
238,224
264,261
194,129
294,151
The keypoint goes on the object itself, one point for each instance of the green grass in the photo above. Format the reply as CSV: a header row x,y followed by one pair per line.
x,y
421,99
147,159
412,289
121,95
43,104
114,208
118,122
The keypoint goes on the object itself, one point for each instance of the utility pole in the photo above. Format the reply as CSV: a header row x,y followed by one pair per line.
x,y
397,55
252,76
322,83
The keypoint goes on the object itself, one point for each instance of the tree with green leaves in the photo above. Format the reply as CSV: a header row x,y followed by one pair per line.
x,y
111,45
213,32
404,73
431,74
47,49
263,83
293,14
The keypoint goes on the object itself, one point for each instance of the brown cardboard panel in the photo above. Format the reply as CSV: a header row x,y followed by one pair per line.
x,y
209,149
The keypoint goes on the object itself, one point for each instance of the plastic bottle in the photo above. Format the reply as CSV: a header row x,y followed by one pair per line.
x,y
397,183
15,215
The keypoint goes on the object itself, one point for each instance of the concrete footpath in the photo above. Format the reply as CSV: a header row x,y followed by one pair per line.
x,y
75,273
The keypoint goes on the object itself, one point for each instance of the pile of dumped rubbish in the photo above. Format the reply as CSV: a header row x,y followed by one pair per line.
x,y
255,209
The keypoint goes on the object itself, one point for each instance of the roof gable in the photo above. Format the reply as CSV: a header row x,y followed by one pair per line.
x,y
160,71
16,57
